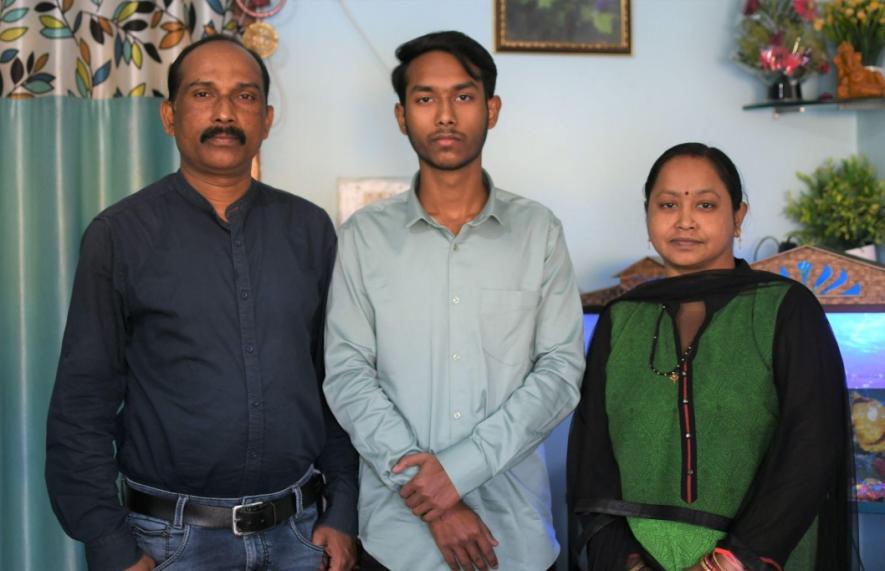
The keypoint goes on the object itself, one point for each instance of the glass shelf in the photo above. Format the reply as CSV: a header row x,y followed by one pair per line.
x,y
854,104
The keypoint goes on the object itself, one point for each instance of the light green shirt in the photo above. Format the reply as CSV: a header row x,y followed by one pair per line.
x,y
467,346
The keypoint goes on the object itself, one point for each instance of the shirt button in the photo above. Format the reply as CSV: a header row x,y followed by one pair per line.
x,y
456,357
455,247
690,472
255,404
688,434
253,454
457,415
244,294
238,243
456,300
250,348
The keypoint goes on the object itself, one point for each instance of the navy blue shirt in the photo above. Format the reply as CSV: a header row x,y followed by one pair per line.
x,y
209,333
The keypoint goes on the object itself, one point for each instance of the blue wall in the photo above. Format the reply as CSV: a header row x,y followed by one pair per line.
x,y
577,132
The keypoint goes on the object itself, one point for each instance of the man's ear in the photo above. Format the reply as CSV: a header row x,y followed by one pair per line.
x,y
494,105
268,121
167,116
399,111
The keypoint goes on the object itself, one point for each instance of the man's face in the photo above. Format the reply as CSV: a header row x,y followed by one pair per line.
x,y
446,115
219,117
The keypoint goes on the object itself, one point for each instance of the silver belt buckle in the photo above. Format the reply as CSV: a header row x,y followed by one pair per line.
x,y
236,510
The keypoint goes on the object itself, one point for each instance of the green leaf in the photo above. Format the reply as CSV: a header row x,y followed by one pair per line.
x,y
38,87
83,75
8,3
56,34
126,10
136,55
12,34
14,15
81,86
52,23
604,22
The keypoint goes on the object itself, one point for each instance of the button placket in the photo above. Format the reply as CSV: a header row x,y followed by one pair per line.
x,y
252,369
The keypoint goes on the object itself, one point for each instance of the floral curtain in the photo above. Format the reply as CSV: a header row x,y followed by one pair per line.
x,y
80,88
99,48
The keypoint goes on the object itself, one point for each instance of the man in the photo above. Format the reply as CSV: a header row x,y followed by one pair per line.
x,y
198,305
454,337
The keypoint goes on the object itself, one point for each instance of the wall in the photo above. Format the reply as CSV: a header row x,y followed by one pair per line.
x,y
577,132
871,138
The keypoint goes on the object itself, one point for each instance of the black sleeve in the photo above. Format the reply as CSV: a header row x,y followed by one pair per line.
x,y
81,473
803,463
338,461
591,470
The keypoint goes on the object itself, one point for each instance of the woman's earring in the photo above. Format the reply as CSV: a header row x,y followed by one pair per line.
x,y
737,234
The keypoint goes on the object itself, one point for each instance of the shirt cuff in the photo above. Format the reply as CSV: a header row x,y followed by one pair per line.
x,y
465,465
112,552
340,514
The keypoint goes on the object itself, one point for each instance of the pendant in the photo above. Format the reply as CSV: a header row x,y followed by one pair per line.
x,y
674,376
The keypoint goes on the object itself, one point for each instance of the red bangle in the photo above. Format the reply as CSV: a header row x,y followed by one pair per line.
x,y
771,562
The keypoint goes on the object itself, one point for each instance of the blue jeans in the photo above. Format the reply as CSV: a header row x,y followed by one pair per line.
x,y
177,546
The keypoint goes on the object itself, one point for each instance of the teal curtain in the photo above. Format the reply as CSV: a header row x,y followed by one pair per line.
x,y
62,160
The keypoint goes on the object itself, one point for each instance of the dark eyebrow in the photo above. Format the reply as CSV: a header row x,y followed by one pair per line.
x,y
693,192
206,83
458,87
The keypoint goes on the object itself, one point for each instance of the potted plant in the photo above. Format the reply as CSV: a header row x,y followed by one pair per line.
x,y
842,206
778,41
861,23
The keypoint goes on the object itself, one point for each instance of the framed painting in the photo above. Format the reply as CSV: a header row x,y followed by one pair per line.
x,y
580,26
354,193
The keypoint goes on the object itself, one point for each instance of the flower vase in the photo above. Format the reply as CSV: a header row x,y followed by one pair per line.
x,y
785,88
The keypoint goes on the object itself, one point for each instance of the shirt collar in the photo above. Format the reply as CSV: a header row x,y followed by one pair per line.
x,y
239,208
493,208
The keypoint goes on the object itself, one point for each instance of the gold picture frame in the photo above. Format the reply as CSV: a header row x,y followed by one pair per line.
x,y
577,26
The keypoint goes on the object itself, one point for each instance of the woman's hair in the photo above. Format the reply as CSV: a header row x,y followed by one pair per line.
x,y
725,168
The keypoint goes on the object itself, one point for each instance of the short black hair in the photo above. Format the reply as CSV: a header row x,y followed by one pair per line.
x,y
723,165
173,80
477,61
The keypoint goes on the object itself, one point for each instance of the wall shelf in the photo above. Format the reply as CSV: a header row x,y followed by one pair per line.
x,y
799,106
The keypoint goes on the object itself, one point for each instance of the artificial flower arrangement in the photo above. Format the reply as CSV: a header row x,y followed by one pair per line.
x,y
861,23
777,38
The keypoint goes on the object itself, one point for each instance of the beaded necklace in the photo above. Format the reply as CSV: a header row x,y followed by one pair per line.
x,y
674,373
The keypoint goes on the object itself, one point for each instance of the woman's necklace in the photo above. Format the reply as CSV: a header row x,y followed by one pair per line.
x,y
672,374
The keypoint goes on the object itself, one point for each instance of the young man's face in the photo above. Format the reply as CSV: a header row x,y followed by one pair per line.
x,y
446,114
219,117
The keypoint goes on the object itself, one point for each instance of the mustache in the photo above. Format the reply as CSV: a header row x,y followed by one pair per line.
x,y
218,130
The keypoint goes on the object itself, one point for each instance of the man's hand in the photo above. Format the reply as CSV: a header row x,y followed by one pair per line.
x,y
143,564
430,492
464,540
340,548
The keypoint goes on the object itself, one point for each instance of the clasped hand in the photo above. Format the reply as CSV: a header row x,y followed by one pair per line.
x,y
430,492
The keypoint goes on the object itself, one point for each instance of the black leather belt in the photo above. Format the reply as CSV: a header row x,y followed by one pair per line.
x,y
243,519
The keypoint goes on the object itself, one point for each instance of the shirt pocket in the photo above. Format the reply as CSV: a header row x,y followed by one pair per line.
x,y
507,324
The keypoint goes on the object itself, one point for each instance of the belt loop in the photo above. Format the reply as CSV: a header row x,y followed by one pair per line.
x,y
299,500
178,522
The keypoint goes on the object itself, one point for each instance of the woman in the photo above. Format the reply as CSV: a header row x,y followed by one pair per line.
x,y
713,429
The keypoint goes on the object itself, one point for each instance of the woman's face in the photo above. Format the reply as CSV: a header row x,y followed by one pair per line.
x,y
690,218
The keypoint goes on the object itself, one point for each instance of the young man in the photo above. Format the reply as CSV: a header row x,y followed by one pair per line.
x,y
454,337
198,304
